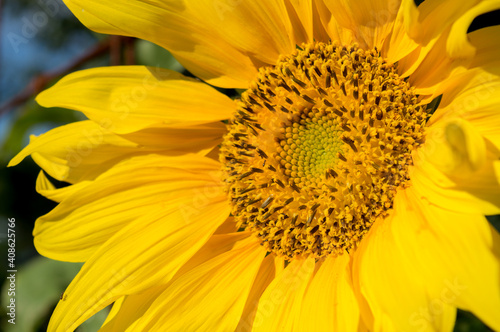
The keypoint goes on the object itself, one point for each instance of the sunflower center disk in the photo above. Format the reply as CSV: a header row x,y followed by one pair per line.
x,y
309,148
318,147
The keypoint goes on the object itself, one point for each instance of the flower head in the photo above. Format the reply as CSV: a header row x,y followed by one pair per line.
x,y
318,148
345,188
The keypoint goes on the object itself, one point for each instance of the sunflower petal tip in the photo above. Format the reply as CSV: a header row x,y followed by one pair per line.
x,y
17,158
43,98
14,161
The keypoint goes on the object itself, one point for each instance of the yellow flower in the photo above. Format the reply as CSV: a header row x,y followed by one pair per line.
x,y
336,198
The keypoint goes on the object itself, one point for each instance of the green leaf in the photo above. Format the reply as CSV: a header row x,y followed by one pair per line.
x,y
39,285
149,54
494,221
95,322
467,322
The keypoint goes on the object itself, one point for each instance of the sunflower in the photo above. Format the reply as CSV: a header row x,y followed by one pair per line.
x,y
345,189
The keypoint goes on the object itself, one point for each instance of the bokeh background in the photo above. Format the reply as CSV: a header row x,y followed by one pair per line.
x,y
41,41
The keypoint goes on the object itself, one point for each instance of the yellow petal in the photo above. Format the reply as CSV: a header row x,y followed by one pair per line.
x,y
264,277
330,29
329,303
219,41
72,152
456,170
458,45
473,96
280,304
470,191
450,52
127,310
88,217
370,21
449,49
222,284
467,94
397,294
432,17
497,171
217,245
130,98
409,64
179,139
135,306
479,193
83,150
434,66
45,188
398,45
229,226
115,309
487,53
455,148
260,29
457,256
301,16
156,246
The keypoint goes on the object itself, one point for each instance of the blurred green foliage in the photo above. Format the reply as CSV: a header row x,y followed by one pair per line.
x,y
149,54
59,30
